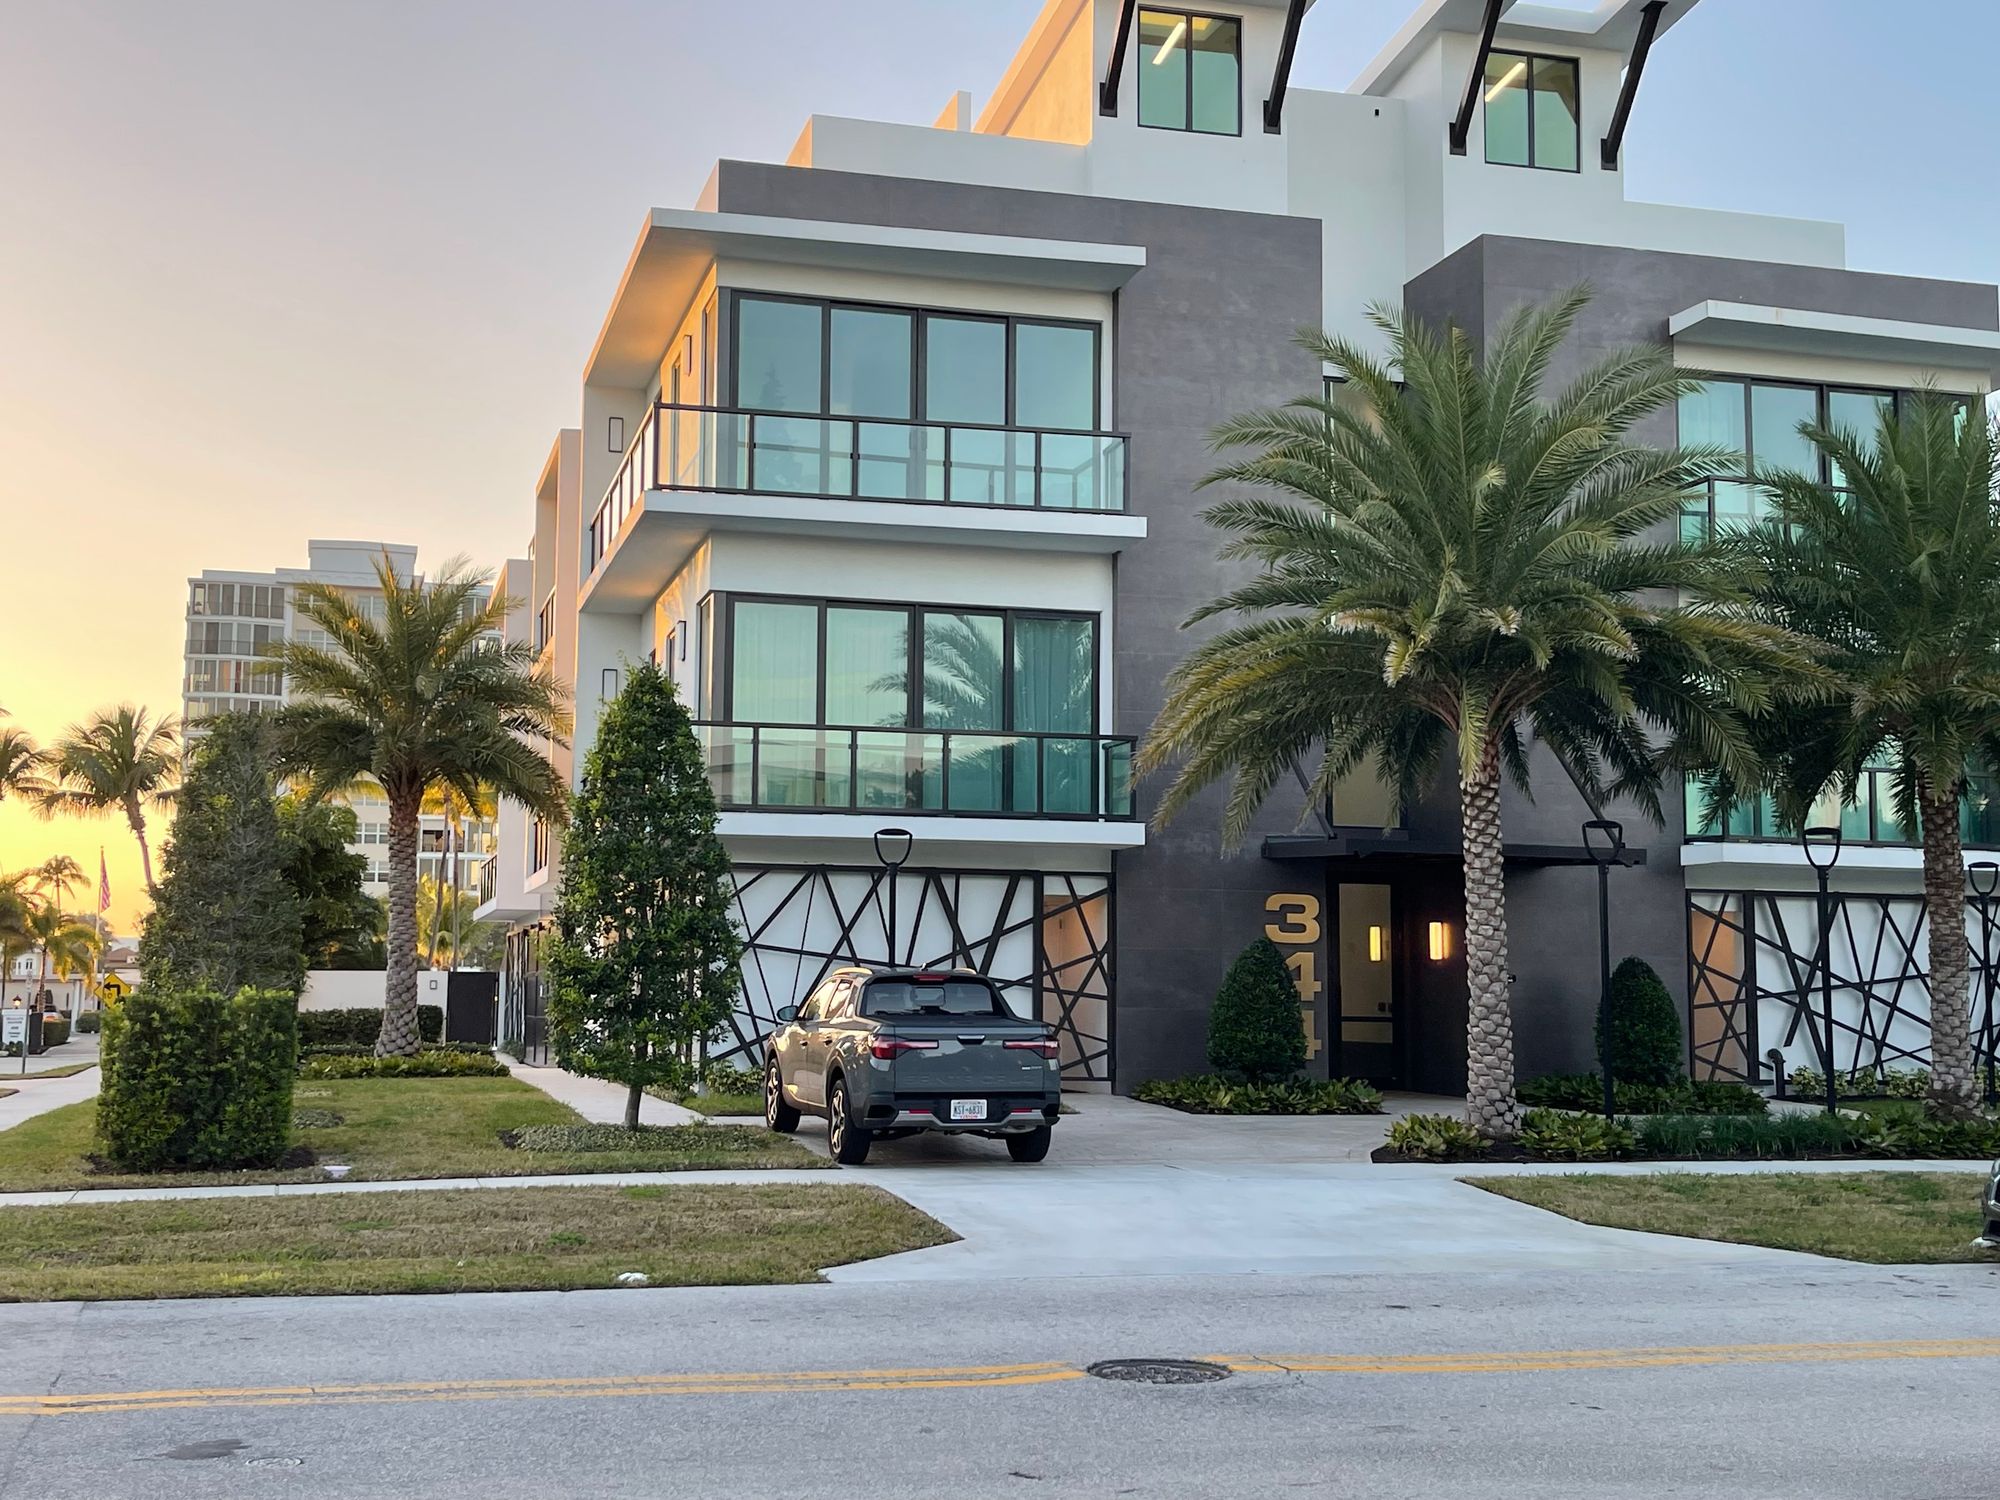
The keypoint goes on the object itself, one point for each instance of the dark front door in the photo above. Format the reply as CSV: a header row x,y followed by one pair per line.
x,y
1367,962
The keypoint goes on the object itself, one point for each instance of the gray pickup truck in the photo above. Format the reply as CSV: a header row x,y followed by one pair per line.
x,y
886,1052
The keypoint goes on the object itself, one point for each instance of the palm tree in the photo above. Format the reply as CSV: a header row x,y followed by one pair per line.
x,y
20,764
66,943
1455,567
1895,577
120,759
416,699
17,911
445,801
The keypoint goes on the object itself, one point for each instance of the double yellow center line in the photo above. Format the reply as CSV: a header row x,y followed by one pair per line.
x,y
963,1377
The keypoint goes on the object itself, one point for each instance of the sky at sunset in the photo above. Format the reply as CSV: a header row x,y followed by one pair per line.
x,y
272,270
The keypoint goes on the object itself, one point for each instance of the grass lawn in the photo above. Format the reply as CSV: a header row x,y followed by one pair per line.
x,y
717,1102
68,1070
483,1240
398,1127
1890,1218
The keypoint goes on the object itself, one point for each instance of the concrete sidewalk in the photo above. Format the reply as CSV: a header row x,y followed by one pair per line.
x,y
37,1096
599,1102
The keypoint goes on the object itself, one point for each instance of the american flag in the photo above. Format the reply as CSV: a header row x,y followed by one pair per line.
x,y
103,882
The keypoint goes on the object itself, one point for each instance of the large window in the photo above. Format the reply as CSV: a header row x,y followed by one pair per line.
x,y
801,661
1760,419
1532,112
1190,72
839,359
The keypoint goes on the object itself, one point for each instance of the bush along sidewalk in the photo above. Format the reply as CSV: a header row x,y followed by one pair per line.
x,y
360,1025
1547,1135
1809,1084
1684,1096
431,1063
1210,1094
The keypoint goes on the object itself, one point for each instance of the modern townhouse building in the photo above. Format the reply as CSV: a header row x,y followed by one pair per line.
x,y
890,453
234,617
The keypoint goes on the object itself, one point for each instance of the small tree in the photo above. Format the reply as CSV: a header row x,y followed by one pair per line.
x,y
341,924
1645,1027
1253,1029
224,917
643,963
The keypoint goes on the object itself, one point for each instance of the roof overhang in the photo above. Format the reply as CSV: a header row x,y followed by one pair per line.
x,y
1790,330
1610,26
1371,844
678,246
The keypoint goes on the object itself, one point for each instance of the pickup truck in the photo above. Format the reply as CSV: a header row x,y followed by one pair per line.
x,y
888,1052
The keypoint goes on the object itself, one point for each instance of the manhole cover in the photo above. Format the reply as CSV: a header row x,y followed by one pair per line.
x,y
1159,1371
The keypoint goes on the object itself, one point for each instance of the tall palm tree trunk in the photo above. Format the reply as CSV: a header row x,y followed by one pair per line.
x,y
1951,992
136,816
1489,1020
399,1007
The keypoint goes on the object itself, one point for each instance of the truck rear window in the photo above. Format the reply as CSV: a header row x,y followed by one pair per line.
x,y
952,997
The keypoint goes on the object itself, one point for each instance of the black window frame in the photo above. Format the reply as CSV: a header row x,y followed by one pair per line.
x,y
1532,59
1139,84
913,611
920,317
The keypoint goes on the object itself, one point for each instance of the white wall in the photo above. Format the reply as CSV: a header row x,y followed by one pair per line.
x,y
355,989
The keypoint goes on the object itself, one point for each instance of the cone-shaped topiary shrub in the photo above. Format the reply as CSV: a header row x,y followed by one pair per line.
x,y
1253,1030
1645,1027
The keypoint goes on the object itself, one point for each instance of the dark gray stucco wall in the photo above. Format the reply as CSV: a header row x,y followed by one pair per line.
x,y
1552,912
1203,332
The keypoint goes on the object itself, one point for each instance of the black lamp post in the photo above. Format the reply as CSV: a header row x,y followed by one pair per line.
x,y
1605,841
1822,846
1985,877
892,848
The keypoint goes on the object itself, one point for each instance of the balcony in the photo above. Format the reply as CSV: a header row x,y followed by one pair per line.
x,y
488,883
918,772
1870,822
1067,479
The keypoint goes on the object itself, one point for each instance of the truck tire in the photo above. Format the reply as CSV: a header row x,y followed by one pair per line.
x,y
847,1141
1032,1145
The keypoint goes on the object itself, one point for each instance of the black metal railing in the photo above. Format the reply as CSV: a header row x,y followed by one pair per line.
x,y
488,884
728,450
975,773
1870,820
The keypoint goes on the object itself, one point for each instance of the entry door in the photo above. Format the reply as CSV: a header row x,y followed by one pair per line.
x,y
1367,966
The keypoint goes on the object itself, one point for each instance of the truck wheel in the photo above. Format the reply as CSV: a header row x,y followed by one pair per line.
x,y
1032,1145
779,1115
847,1141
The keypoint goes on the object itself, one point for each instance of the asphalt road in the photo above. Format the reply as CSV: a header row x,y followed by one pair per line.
x,y
1809,1379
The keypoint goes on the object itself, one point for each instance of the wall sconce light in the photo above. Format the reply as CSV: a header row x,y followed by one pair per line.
x,y
1440,941
1374,945
615,431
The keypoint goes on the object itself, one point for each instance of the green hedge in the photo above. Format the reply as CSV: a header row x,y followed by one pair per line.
x,y
437,1064
1685,1096
360,1049
1254,1030
1645,1027
89,1021
1209,1094
55,1031
194,1080
360,1025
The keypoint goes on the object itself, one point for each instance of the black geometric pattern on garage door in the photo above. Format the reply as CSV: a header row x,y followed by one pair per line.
x,y
1754,982
800,922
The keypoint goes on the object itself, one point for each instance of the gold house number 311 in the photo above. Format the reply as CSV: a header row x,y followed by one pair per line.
x,y
1297,928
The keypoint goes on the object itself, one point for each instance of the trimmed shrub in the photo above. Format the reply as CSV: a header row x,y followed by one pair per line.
x,y
418,1065
1584,1091
1554,1136
1891,1083
89,1021
1913,1137
192,1080
1208,1094
359,1025
1254,1031
1436,1138
55,1031
470,1049
1645,1027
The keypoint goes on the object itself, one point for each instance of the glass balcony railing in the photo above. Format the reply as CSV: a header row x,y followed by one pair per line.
x,y
729,451
780,768
1871,820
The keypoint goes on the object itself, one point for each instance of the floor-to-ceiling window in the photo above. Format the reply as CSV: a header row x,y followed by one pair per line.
x,y
1190,72
1761,420
1532,111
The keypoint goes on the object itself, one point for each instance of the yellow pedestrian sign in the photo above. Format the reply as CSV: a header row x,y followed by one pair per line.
x,y
114,989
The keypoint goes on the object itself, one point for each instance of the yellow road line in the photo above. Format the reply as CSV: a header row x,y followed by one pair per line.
x,y
796,1382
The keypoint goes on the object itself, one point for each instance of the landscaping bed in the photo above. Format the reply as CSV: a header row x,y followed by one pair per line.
x,y
518,1239
1550,1135
1888,1218
389,1128
1210,1094
730,1091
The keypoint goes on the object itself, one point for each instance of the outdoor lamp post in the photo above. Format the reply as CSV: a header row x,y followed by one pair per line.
x,y
1822,846
892,849
1985,877
1605,841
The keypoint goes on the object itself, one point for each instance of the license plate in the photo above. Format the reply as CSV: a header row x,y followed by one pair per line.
x,y
968,1109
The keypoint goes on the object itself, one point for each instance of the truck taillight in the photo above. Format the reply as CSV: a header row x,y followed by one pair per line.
x,y
885,1048
1046,1047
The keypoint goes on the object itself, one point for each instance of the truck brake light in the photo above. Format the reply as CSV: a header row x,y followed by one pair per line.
x,y
1046,1046
885,1048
